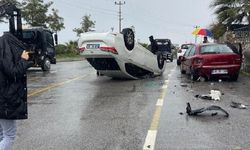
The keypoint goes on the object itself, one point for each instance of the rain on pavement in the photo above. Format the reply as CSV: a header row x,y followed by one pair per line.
x,y
70,108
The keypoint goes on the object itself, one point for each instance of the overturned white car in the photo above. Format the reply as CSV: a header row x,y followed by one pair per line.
x,y
117,55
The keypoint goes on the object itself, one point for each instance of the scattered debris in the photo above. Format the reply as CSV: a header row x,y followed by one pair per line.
x,y
238,105
236,148
195,112
206,97
184,85
214,95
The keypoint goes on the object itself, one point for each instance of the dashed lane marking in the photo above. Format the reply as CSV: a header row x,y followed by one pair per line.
x,y
152,132
159,102
41,90
150,140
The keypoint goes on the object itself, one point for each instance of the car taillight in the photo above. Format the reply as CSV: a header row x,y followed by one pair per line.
x,y
81,49
109,49
198,61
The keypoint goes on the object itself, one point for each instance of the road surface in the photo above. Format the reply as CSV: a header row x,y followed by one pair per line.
x,y
70,108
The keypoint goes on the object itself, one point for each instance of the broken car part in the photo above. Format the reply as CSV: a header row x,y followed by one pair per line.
x,y
214,95
238,105
195,112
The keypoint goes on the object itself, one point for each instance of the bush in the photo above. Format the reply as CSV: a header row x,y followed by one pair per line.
x,y
69,48
61,49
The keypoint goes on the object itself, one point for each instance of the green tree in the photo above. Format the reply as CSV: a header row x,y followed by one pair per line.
x,y
35,13
71,46
231,11
2,18
86,24
218,30
55,21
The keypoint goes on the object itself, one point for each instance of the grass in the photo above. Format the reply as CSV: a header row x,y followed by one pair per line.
x,y
245,73
68,57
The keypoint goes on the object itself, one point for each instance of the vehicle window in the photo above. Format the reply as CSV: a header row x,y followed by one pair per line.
x,y
163,44
49,39
216,48
187,52
28,35
192,51
185,46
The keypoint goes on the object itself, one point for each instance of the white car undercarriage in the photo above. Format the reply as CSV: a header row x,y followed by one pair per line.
x,y
117,55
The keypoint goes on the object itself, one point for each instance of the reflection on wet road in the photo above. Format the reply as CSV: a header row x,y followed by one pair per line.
x,y
70,108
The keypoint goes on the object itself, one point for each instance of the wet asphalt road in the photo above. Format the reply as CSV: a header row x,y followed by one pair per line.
x,y
70,108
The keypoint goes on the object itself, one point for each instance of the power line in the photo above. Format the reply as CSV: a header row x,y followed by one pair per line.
x,y
90,8
120,13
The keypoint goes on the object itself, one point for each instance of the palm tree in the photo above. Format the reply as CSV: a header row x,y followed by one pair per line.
x,y
71,46
232,11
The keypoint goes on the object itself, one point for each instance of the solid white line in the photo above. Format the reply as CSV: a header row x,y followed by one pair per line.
x,y
150,140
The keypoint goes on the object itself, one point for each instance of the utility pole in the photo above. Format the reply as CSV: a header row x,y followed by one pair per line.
x,y
196,27
120,13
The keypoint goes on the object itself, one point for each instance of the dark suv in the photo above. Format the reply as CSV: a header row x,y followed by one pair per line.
x,y
165,46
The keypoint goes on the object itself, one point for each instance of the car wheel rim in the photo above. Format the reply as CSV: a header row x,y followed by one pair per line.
x,y
47,64
130,38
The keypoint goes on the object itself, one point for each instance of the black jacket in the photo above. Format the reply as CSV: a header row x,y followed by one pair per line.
x,y
13,81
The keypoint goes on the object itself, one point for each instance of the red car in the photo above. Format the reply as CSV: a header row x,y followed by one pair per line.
x,y
211,60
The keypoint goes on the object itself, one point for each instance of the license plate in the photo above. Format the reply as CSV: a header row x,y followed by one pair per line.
x,y
93,46
220,71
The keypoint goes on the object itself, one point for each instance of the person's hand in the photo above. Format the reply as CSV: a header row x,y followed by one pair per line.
x,y
25,55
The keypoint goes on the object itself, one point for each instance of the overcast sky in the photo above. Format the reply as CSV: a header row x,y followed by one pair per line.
x,y
173,19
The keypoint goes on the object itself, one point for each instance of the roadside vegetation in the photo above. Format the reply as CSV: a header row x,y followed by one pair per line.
x,y
69,50
229,12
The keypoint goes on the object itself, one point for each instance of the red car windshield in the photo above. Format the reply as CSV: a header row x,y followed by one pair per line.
x,y
215,49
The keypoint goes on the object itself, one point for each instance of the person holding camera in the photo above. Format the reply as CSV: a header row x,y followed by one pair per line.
x,y
13,87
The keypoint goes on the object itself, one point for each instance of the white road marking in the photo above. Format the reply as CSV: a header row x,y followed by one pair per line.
x,y
165,86
159,102
150,140
152,132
